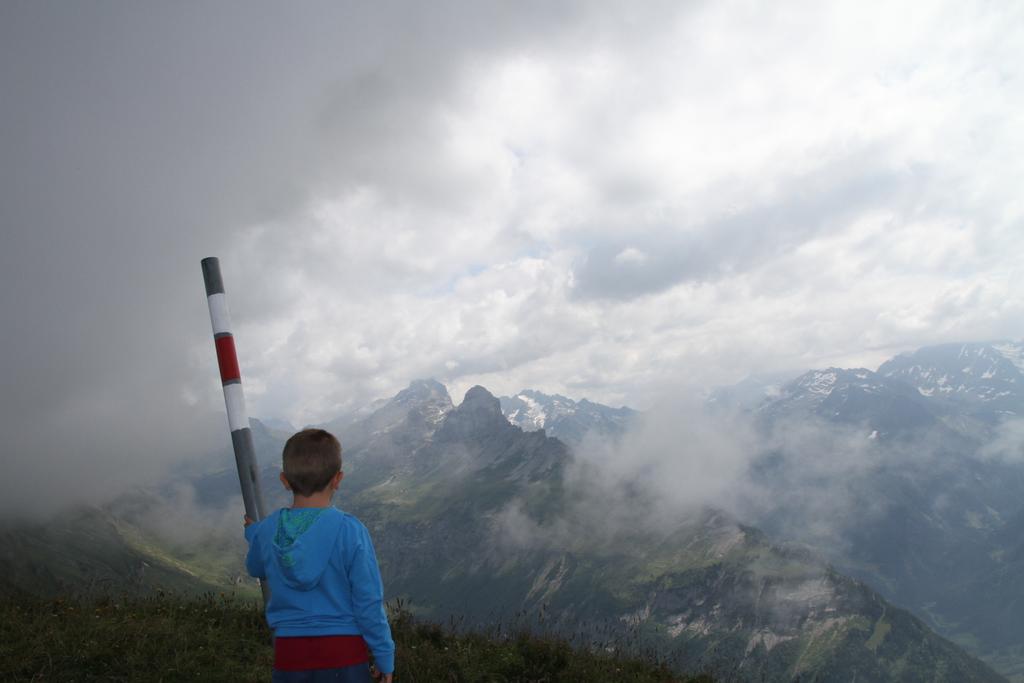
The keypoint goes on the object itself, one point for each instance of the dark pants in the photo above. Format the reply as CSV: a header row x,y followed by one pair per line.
x,y
357,673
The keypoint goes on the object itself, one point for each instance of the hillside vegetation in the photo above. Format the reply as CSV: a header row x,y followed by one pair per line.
x,y
474,518
219,638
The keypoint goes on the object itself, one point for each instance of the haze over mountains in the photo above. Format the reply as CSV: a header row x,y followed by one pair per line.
x,y
909,478
767,536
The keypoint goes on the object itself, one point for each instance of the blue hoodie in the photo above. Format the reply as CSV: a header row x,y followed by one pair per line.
x,y
323,577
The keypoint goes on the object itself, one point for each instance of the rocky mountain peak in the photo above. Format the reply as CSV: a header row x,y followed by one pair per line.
x,y
478,414
421,390
815,386
860,396
562,417
479,400
426,398
987,376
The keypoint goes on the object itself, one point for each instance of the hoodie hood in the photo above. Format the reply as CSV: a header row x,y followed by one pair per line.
x,y
303,544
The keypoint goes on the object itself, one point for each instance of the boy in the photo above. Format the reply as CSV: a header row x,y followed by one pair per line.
x,y
326,597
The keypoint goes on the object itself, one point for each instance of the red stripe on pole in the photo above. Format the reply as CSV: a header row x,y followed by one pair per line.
x,y
226,359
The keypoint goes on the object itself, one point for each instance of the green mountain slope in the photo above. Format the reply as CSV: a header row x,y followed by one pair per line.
x,y
478,519
90,551
913,485
473,517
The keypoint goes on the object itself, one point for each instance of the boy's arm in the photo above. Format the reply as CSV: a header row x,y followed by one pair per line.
x,y
253,559
368,602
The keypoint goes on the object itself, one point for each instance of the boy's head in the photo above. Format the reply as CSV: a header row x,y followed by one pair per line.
x,y
311,459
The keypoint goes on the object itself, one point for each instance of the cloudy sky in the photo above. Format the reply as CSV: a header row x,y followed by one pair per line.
x,y
604,199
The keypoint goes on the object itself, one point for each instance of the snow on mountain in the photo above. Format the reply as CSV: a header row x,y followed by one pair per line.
x,y
563,417
815,386
989,376
821,382
1013,352
857,396
533,410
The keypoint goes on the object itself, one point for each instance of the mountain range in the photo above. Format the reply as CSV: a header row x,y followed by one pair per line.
x,y
475,516
564,418
915,473
883,506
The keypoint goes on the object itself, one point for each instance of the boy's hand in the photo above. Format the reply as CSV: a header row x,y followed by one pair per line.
x,y
248,520
382,678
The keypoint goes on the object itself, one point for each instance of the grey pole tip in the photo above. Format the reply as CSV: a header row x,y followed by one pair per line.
x,y
211,275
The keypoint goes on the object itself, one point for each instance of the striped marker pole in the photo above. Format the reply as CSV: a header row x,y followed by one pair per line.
x,y
234,399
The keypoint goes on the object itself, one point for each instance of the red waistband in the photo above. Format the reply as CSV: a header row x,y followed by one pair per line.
x,y
302,653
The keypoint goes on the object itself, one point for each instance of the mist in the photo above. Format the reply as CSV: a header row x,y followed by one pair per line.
x,y
800,478
138,140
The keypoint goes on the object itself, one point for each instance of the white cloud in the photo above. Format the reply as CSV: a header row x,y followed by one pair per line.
x,y
605,201
775,188
630,255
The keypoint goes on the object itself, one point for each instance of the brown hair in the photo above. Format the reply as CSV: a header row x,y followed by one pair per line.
x,y
310,459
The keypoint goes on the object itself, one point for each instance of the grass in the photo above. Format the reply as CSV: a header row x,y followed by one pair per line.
x,y
882,628
157,638
220,638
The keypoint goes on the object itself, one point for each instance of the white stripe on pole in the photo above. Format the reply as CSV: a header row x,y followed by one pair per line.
x,y
234,398
219,316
